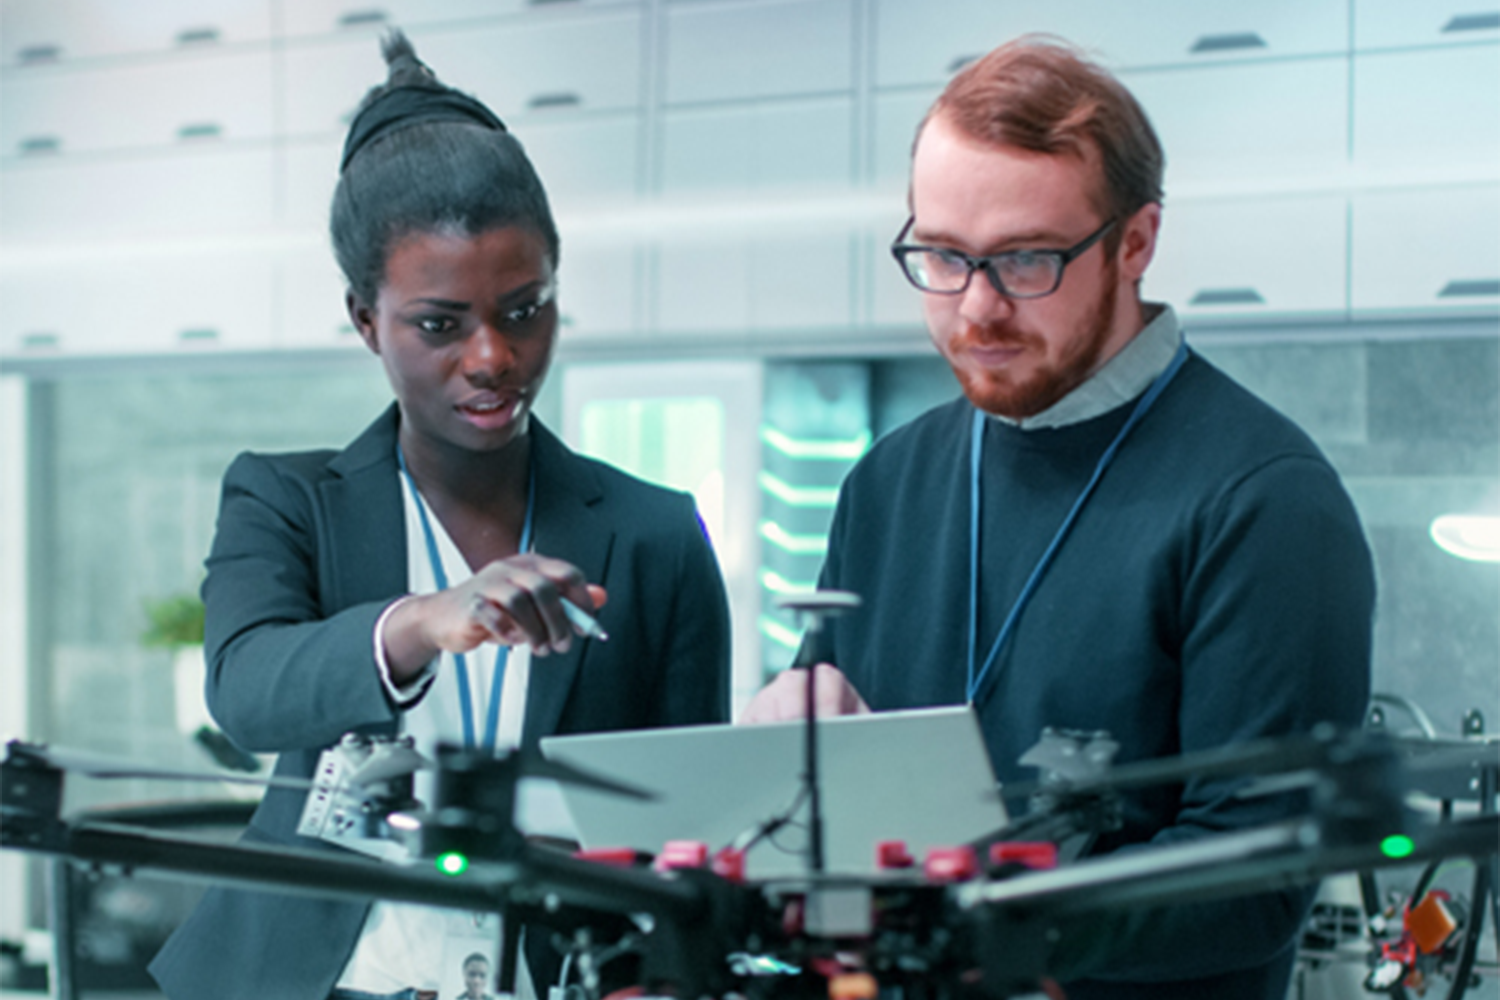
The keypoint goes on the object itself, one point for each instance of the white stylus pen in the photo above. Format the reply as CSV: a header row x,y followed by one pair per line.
x,y
586,622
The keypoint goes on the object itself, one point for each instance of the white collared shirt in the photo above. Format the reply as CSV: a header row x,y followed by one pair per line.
x,y
1121,379
404,945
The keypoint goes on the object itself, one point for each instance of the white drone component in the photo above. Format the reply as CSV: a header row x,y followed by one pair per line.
x,y
357,784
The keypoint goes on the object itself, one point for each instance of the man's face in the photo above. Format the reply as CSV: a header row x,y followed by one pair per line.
x,y
1016,357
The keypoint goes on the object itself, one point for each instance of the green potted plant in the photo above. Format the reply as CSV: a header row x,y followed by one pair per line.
x,y
173,622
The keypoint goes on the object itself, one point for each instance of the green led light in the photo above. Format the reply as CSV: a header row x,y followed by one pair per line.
x,y
452,863
1397,846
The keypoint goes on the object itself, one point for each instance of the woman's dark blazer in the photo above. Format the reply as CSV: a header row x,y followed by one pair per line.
x,y
310,548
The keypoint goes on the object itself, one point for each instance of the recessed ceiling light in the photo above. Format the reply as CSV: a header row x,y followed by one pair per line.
x,y
1469,536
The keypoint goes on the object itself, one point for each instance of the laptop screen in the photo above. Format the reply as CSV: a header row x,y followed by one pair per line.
x,y
920,776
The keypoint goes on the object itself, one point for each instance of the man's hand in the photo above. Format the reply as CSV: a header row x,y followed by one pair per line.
x,y
785,698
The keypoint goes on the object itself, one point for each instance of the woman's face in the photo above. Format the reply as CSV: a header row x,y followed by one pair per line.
x,y
465,326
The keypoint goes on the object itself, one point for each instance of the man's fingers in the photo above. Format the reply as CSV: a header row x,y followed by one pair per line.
x,y
785,698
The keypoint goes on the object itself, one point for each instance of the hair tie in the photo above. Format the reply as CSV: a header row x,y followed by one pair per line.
x,y
405,106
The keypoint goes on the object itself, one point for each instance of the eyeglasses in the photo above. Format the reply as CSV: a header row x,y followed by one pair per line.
x,y
1017,274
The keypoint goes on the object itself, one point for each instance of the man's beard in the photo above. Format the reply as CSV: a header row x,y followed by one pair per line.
x,y
999,393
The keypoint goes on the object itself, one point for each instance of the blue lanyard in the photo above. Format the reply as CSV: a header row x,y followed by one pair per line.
x,y
976,683
502,653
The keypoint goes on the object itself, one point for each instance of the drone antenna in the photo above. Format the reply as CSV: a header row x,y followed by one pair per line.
x,y
811,610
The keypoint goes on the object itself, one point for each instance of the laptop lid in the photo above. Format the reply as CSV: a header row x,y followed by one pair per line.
x,y
921,776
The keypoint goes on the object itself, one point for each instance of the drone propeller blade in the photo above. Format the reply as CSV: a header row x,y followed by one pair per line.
x,y
1256,758
97,765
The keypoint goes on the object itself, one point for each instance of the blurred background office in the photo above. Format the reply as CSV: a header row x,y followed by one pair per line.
x,y
727,175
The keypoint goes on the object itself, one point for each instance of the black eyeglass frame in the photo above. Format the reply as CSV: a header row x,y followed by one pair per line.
x,y
986,263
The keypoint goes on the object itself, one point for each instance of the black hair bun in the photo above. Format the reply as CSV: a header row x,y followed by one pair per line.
x,y
406,70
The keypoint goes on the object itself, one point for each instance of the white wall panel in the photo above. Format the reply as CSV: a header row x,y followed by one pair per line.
x,y
199,191
310,309
757,148
742,106
583,162
1428,251
194,100
793,281
1428,112
896,119
739,50
703,285
325,83
925,44
586,62
1403,23
1252,257
33,31
597,290
352,17
1247,124
205,303
801,281
309,173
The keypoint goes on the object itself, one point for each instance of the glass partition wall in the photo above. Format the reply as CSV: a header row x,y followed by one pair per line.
x,y
123,485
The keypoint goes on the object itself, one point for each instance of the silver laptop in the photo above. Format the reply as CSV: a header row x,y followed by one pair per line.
x,y
921,776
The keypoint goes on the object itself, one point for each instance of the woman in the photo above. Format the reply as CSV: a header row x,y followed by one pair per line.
x,y
407,583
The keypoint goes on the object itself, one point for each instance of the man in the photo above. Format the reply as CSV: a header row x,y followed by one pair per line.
x,y
1107,533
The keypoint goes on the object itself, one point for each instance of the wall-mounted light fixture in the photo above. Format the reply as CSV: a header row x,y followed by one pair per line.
x,y
1469,536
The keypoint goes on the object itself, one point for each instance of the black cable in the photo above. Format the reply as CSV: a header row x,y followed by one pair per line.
x,y
814,783
1494,904
1469,945
770,826
1424,881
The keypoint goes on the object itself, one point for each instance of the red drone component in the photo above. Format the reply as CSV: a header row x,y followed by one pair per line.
x,y
950,864
1031,854
681,854
615,857
729,864
893,854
